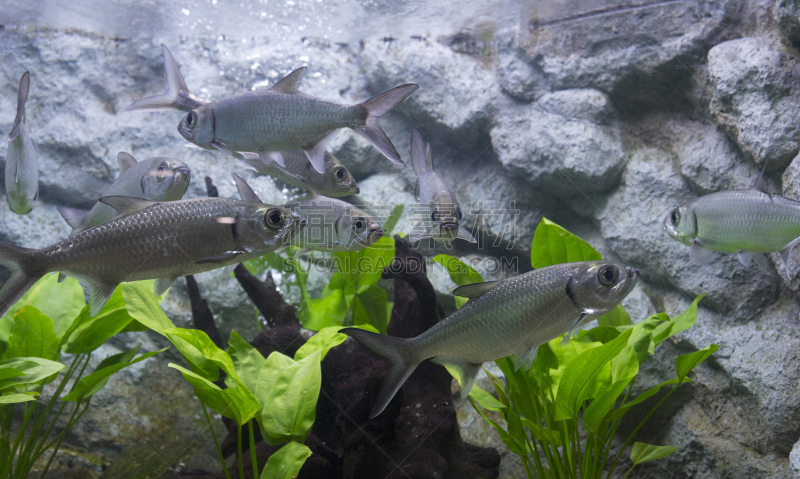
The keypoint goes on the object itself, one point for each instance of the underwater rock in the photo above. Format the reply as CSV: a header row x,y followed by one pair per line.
x,y
41,227
755,98
794,457
787,13
519,77
631,223
565,144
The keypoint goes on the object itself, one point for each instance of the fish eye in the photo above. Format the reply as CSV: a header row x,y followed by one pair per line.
x,y
161,173
608,275
458,213
273,219
435,215
359,224
191,118
338,172
675,216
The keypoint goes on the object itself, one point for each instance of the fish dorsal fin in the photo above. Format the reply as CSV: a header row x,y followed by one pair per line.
x,y
418,154
291,82
22,97
245,192
759,183
475,290
72,216
126,205
428,156
126,161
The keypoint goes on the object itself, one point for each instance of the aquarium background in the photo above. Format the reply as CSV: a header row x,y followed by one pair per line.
x,y
601,116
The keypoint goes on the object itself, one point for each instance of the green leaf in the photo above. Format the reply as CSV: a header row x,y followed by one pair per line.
x,y
542,434
374,259
642,338
323,341
92,332
16,398
552,244
678,323
246,359
286,462
290,405
187,341
89,385
507,439
578,381
486,400
61,302
262,263
270,370
325,312
625,365
392,220
460,272
642,452
599,407
616,317
370,308
143,307
34,369
231,402
33,336
685,363
622,410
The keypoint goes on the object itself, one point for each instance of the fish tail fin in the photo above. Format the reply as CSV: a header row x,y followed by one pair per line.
x,y
397,351
13,258
418,160
176,97
376,107
24,86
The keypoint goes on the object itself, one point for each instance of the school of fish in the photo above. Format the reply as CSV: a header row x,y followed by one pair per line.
x,y
142,228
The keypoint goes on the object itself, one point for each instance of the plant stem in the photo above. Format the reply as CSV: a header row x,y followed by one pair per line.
x,y
239,450
613,430
62,435
6,415
216,443
252,448
28,412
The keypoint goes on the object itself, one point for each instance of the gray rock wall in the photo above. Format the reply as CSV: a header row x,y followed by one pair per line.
x,y
599,117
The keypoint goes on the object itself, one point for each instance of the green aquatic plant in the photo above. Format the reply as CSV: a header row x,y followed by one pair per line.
x,y
278,393
50,319
562,414
352,296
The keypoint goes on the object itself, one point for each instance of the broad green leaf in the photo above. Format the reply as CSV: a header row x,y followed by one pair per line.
x,y
498,387
616,317
685,363
578,381
392,220
678,323
325,312
486,400
9,372
289,408
33,336
642,338
460,272
270,370
323,341
16,398
374,259
507,439
89,385
370,308
618,413
599,407
246,360
286,462
625,365
61,302
262,263
642,452
542,434
196,340
93,332
552,244
231,402
143,306
6,326
34,369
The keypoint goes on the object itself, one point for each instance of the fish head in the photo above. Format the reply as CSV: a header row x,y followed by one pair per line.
x,y
263,227
198,126
166,179
444,218
596,287
356,229
341,180
681,224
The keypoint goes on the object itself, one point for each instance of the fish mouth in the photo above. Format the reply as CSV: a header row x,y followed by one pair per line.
x,y
182,171
376,231
633,274
356,190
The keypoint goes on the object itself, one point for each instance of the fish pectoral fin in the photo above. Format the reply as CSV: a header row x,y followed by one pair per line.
x,y
418,156
162,285
525,360
463,371
72,216
229,269
475,290
744,257
222,147
414,237
245,192
761,261
566,339
272,156
465,235
126,161
316,152
126,205
699,254
225,257
291,82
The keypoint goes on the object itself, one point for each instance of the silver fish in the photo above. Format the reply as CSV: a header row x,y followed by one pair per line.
x,y
746,222
150,240
444,213
22,169
270,120
335,182
512,316
154,179
331,224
